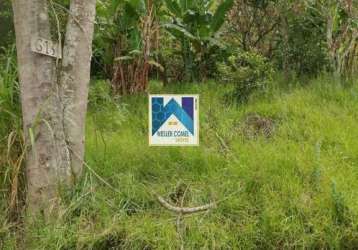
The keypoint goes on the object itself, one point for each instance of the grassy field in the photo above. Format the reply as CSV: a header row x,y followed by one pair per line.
x,y
293,185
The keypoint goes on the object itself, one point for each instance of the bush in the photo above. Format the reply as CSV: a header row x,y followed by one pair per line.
x,y
306,53
10,111
101,101
248,71
12,145
6,27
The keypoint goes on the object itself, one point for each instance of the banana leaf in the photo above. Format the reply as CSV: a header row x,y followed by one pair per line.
x,y
220,14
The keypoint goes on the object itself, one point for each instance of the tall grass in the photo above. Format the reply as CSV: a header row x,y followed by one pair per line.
x,y
11,146
294,189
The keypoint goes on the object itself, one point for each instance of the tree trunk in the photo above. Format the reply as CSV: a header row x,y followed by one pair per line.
x,y
285,40
75,77
332,46
47,103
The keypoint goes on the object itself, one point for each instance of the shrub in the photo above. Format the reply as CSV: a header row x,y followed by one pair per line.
x,y
100,102
248,71
6,27
10,111
306,51
12,145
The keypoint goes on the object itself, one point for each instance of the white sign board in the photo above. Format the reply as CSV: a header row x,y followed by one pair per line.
x,y
45,47
173,120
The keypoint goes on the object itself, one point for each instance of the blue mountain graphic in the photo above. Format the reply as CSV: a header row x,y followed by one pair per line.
x,y
161,113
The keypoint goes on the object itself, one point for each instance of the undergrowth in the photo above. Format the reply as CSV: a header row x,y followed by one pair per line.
x,y
296,188
11,147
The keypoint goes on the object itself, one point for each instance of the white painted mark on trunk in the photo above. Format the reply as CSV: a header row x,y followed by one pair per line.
x,y
46,47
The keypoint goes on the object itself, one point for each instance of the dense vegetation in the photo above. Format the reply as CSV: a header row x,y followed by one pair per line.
x,y
278,114
294,187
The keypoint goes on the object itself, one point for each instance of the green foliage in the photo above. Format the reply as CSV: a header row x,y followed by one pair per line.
x,y
118,33
10,111
11,146
220,15
6,24
293,189
101,101
248,71
272,192
340,211
307,52
171,59
196,27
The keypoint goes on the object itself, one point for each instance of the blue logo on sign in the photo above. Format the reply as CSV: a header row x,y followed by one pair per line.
x,y
184,112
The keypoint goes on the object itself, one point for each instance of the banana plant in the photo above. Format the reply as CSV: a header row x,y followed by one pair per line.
x,y
341,34
130,27
196,25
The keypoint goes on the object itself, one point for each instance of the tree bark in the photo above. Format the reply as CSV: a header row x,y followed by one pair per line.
x,y
285,40
75,77
47,103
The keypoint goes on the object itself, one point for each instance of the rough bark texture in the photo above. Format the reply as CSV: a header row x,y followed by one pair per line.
x,y
75,77
285,40
50,137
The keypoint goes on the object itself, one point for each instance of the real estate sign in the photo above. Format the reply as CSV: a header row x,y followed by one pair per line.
x,y
173,120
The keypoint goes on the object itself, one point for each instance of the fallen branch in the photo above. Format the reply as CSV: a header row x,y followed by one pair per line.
x,y
184,210
222,142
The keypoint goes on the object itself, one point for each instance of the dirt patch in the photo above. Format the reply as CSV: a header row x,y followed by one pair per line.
x,y
255,125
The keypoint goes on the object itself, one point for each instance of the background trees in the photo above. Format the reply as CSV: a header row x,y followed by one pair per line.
x,y
125,47
342,33
243,42
6,26
195,25
134,31
253,25
179,41
194,36
281,146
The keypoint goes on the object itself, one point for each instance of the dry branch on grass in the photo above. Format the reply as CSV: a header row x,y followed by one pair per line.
x,y
180,211
184,210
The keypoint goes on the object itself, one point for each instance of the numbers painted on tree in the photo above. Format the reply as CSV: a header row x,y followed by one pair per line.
x,y
45,47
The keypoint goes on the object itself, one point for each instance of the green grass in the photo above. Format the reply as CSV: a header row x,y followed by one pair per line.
x,y
297,189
